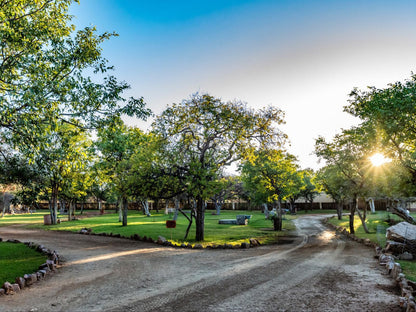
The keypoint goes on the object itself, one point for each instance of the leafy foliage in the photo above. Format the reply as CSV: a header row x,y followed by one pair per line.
x,y
202,135
389,119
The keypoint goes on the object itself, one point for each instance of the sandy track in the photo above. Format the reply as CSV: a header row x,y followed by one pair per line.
x,y
318,271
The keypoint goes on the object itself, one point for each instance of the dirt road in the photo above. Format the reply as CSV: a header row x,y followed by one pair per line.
x,y
314,271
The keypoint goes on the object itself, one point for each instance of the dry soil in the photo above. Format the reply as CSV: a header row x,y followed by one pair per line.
x,y
314,270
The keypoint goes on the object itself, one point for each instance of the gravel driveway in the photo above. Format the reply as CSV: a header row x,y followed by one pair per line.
x,y
312,271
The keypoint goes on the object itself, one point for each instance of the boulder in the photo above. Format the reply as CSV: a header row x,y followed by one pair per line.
x,y
406,256
8,288
404,233
411,306
254,242
51,265
395,248
42,273
21,281
384,259
245,245
85,231
16,287
161,240
14,241
30,279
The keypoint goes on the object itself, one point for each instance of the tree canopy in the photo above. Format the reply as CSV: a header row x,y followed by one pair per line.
x,y
45,69
203,135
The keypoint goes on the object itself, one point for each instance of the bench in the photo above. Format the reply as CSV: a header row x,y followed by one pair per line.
x,y
239,220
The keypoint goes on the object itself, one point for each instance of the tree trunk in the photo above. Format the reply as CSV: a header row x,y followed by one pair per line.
x,y
339,210
70,211
74,208
54,210
4,204
280,215
145,204
277,221
120,212
218,207
266,211
402,213
100,206
175,216
62,206
362,218
166,206
352,213
372,205
199,219
125,208
190,221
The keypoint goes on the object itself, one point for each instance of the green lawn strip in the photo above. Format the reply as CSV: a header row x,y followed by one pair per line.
x,y
24,218
16,260
376,223
377,226
215,234
409,269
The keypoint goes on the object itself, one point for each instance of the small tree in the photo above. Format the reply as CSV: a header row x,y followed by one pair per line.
x,y
271,176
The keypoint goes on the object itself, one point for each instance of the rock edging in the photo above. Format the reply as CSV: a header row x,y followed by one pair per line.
x,y
31,278
407,288
164,242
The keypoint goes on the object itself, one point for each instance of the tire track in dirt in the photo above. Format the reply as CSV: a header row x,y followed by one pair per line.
x,y
317,272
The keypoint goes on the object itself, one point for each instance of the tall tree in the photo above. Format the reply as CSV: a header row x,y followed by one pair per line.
x,y
271,176
389,117
335,185
349,154
116,144
44,73
204,134
63,159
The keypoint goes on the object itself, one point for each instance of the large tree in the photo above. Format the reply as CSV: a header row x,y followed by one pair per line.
x,y
204,134
347,158
388,117
45,73
115,145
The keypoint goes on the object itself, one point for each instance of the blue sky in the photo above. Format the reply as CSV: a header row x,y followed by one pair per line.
x,y
301,56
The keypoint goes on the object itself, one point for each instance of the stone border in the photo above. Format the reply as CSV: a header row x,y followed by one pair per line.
x,y
164,242
29,279
407,288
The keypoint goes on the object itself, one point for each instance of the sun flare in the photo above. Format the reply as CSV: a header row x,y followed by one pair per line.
x,y
379,159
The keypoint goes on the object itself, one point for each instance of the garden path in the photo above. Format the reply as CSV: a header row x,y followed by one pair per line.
x,y
313,271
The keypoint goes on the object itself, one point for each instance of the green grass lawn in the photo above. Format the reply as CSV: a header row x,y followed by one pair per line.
x,y
377,225
17,260
155,225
